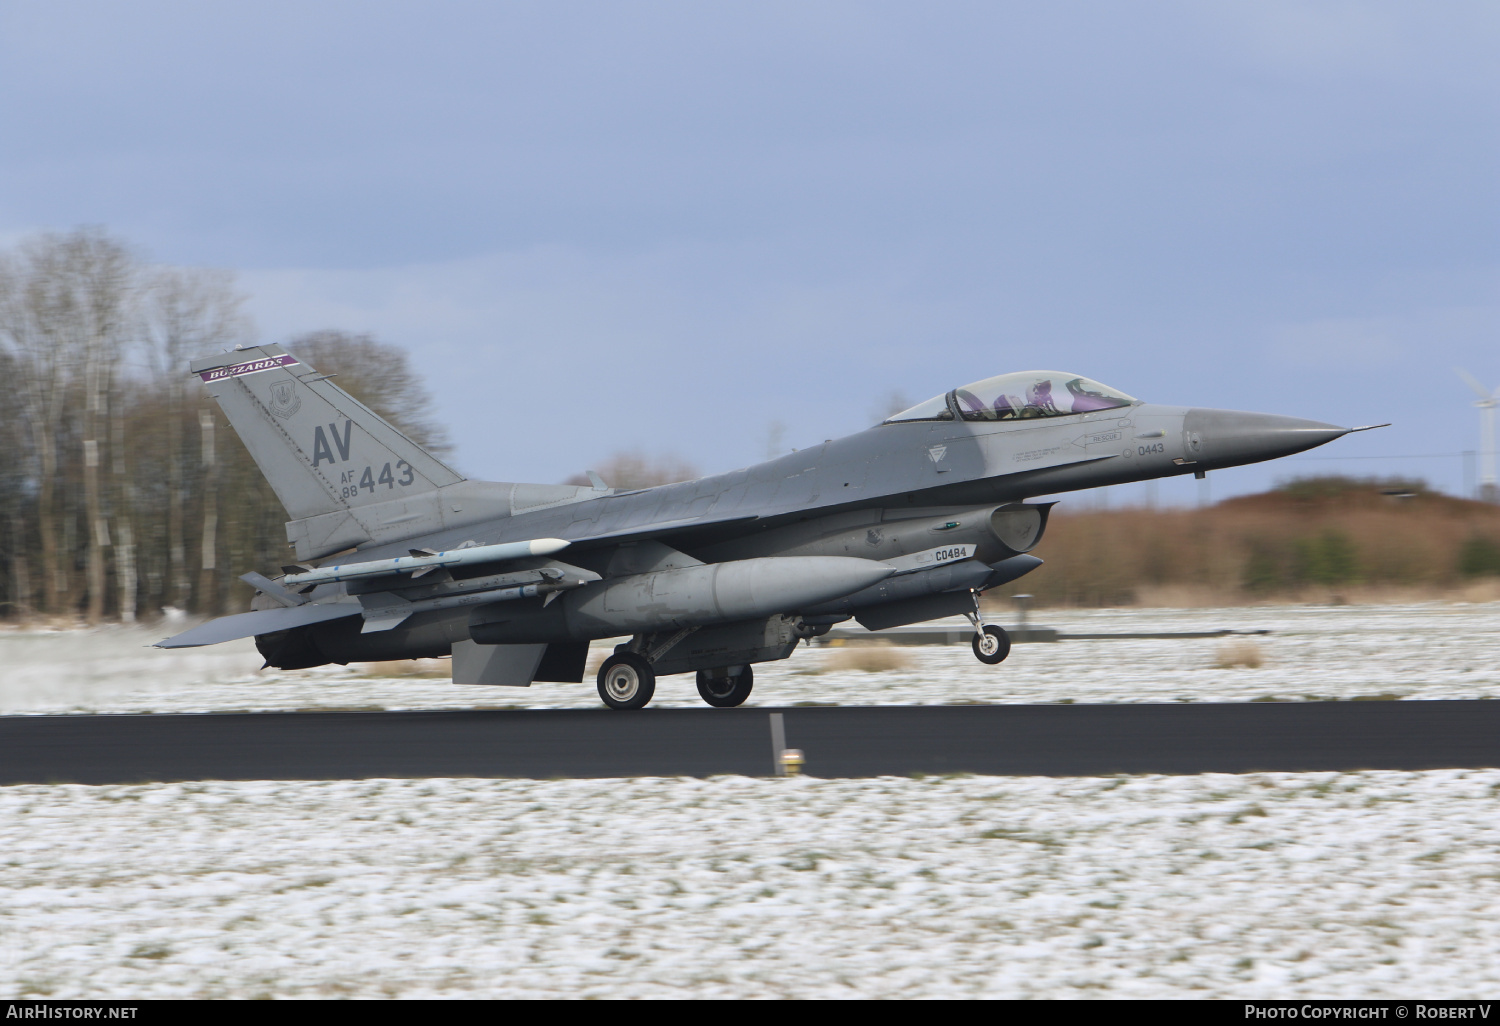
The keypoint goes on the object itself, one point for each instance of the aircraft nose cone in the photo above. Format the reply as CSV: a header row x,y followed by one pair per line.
x,y
1226,438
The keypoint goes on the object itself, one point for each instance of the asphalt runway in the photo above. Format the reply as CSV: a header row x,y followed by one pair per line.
x,y
1049,740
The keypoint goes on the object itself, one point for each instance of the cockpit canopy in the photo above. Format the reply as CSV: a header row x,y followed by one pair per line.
x,y
1019,396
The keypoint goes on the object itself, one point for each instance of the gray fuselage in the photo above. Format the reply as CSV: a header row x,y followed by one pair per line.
x,y
881,494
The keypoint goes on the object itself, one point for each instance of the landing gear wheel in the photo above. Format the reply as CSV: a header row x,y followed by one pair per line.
x,y
725,692
626,681
991,645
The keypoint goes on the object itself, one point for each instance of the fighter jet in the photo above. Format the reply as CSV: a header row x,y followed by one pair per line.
x,y
400,557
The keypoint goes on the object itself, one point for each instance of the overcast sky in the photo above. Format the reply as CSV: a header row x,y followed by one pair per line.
x,y
669,225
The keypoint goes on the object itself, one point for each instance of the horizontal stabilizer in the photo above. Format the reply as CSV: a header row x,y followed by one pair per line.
x,y
261,621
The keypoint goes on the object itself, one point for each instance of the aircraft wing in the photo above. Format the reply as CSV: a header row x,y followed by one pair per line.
x,y
650,530
261,621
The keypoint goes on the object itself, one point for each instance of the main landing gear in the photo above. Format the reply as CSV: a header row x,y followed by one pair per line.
x,y
626,681
723,690
991,644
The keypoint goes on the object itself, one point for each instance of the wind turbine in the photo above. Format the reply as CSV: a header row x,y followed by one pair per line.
x,y
1488,492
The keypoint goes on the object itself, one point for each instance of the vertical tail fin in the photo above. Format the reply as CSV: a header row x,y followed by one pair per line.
x,y
326,454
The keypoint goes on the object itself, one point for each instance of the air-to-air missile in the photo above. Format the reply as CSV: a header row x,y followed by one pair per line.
x,y
907,521
419,562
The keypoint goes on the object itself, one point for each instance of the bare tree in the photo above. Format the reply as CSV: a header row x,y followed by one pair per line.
x,y
102,271
63,317
39,370
634,469
209,536
113,451
17,488
124,490
187,313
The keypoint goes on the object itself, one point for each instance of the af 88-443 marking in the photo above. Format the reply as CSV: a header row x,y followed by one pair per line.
x,y
349,487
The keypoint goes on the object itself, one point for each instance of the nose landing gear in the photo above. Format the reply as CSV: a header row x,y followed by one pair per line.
x,y
991,644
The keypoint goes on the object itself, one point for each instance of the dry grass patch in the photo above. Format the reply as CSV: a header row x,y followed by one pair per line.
x,y
1238,652
1322,540
408,668
871,657
1487,590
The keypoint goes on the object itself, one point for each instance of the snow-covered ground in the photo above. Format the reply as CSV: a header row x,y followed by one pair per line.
x,y
1271,885
1362,885
1432,650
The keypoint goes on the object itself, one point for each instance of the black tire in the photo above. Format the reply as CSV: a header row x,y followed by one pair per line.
x,y
725,692
626,681
992,646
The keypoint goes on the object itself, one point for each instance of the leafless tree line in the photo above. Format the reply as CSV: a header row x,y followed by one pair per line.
x,y
121,491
